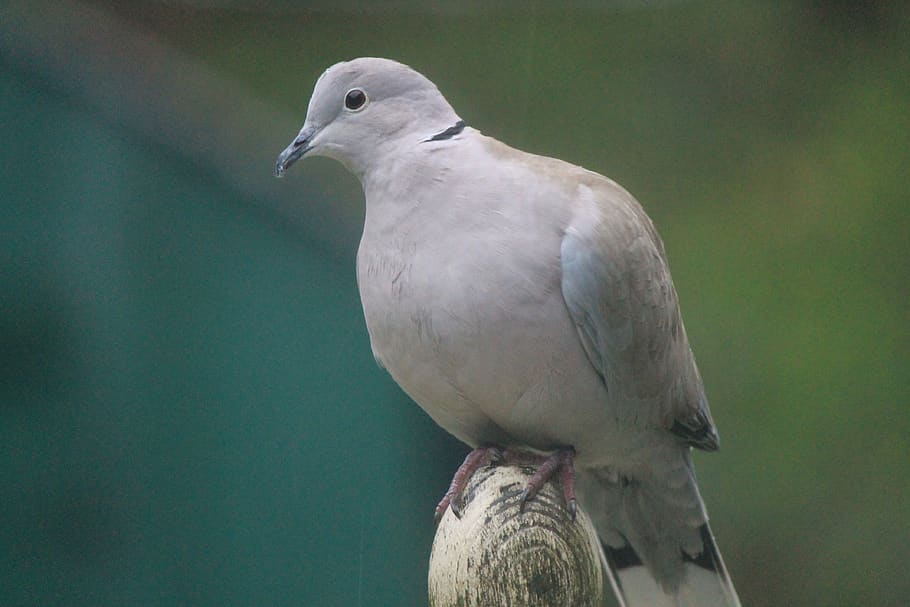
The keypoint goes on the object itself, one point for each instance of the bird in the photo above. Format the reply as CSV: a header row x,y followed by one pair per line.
x,y
526,304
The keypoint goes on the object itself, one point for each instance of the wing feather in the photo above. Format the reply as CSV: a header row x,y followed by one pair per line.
x,y
617,286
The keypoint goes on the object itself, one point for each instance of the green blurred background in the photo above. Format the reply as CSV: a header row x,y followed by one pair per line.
x,y
189,410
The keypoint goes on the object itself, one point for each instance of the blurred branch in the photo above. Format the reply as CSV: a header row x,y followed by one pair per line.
x,y
135,81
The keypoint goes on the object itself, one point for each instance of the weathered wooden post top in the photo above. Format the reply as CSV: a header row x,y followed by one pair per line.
x,y
498,554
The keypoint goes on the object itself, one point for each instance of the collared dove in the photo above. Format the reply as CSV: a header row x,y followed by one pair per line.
x,y
526,303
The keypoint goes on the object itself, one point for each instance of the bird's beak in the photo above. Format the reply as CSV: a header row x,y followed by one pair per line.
x,y
294,152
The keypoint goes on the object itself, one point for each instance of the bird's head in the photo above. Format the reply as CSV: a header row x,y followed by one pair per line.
x,y
358,107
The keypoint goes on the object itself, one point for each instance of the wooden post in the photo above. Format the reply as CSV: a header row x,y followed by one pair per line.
x,y
497,555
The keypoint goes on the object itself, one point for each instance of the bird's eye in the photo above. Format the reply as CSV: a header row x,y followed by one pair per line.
x,y
355,99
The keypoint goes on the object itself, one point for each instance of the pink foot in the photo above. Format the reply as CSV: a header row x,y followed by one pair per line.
x,y
561,460
476,459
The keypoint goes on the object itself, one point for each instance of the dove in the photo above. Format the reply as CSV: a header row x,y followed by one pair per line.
x,y
526,304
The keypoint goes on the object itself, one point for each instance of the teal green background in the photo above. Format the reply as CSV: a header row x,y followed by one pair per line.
x,y
189,409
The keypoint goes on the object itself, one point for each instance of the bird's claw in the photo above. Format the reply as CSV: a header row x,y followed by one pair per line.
x,y
560,461
523,498
454,499
457,507
441,508
572,508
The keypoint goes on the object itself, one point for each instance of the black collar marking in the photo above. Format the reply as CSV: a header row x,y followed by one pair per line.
x,y
448,133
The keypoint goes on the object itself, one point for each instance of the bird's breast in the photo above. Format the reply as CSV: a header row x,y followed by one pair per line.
x,y
477,334
433,306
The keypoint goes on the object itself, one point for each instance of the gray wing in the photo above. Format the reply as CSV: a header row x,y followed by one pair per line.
x,y
617,287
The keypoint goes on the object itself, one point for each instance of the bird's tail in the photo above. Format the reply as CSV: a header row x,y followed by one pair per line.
x,y
658,550
704,583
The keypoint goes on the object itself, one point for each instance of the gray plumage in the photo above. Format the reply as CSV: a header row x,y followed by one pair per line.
x,y
524,301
